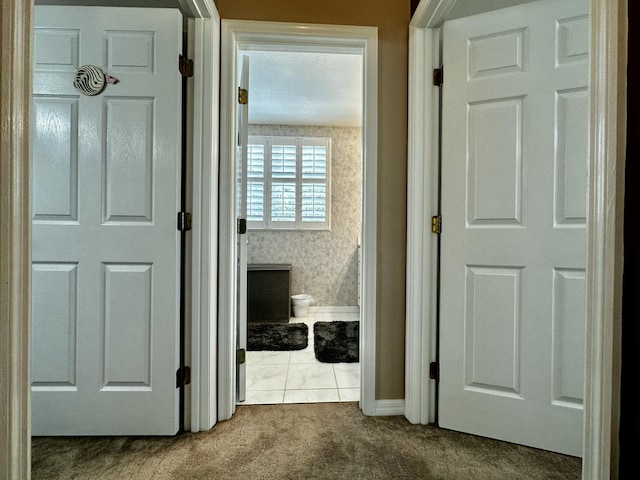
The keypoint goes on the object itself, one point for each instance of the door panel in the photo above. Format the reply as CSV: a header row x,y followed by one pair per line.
x,y
128,164
106,182
55,173
243,142
54,332
514,171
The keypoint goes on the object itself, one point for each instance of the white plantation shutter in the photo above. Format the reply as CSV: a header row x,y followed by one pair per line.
x,y
288,183
255,202
283,193
255,160
313,192
314,202
283,161
314,161
256,182
283,203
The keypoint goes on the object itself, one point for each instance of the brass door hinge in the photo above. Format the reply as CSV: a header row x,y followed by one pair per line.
x,y
436,224
243,96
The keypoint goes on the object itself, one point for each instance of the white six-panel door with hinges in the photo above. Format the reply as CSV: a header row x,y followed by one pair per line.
x,y
106,190
514,186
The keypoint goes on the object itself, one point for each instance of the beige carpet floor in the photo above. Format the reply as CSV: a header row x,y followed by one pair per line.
x,y
299,441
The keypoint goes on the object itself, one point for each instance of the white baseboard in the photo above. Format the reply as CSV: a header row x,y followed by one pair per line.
x,y
387,408
323,309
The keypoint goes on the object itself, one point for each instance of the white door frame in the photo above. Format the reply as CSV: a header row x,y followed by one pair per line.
x,y
604,230
203,126
15,238
254,34
15,211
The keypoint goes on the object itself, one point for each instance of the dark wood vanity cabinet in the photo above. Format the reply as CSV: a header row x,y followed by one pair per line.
x,y
268,293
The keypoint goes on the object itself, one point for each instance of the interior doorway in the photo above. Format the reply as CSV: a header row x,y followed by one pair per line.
x,y
304,136
236,37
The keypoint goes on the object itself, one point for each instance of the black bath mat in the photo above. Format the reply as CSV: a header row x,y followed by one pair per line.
x,y
277,336
336,342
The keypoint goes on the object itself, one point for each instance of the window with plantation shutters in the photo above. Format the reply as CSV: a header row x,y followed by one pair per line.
x,y
288,183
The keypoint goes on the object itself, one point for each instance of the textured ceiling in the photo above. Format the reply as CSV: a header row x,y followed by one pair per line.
x,y
304,88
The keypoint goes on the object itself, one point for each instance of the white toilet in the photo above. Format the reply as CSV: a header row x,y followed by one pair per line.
x,y
301,304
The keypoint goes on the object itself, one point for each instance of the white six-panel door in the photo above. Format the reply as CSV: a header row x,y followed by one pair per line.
x,y
514,183
106,177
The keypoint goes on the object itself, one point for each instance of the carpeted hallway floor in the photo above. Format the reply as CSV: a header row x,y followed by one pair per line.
x,y
299,441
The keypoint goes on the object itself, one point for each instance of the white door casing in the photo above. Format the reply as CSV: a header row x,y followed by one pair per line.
x,y
106,181
202,131
514,183
241,206
238,34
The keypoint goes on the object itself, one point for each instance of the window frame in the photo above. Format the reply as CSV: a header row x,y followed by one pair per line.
x,y
267,180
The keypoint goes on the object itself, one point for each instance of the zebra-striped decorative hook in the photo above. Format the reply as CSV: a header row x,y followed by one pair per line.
x,y
91,80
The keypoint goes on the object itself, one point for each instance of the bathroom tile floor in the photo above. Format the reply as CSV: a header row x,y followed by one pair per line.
x,y
297,377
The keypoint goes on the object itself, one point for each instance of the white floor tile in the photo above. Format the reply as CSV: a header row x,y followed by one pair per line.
x,y
337,317
311,319
347,374
349,394
266,377
305,356
268,358
305,377
311,396
263,397
297,376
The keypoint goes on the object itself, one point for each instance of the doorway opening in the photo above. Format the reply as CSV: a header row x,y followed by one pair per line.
x,y
304,202
240,37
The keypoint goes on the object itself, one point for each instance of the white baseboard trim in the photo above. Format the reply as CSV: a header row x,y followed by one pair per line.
x,y
387,408
323,309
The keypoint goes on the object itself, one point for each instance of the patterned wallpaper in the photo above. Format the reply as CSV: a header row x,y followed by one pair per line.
x,y
324,264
